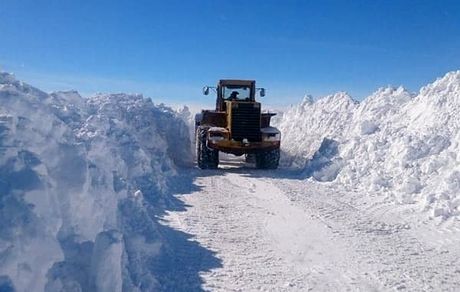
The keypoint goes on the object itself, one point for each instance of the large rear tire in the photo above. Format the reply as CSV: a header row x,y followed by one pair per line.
x,y
206,158
268,159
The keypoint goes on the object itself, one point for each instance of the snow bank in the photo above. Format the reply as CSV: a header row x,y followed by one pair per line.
x,y
303,127
80,183
402,145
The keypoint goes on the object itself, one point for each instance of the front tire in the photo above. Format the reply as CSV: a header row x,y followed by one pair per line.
x,y
206,158
268,159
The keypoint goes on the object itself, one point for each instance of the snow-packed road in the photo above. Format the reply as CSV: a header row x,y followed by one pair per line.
x,y
274,231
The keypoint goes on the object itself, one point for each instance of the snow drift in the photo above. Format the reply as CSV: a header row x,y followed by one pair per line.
x,y
80,183
402,145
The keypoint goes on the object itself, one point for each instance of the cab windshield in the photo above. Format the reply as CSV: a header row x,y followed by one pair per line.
x,y
236,92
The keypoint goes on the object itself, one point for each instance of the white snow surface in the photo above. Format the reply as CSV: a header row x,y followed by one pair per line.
x,y
275,231
404,146
97,194
74,172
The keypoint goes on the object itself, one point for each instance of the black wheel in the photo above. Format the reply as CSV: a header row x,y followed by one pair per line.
x,y
250,158
206,158
268,159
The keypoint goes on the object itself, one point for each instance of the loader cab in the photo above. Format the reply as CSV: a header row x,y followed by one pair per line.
x,y
234,91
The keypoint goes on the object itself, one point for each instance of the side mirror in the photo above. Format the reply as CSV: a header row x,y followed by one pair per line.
x,y
262,92
206,90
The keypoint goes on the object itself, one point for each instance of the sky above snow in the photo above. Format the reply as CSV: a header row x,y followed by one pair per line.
x,y
169,49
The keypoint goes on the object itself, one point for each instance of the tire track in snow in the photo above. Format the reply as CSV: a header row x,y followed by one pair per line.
x,y
390,251
273,231
264,240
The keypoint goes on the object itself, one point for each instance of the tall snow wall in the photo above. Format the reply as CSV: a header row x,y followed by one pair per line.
x,y
80,183
402,145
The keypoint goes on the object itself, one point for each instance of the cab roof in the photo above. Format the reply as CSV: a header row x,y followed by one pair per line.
x,y
249,83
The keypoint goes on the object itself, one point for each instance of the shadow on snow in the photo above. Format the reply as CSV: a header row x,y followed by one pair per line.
x,y
155,257
181,260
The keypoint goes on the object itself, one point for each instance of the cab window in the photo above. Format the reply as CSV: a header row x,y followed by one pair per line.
x,y
236,92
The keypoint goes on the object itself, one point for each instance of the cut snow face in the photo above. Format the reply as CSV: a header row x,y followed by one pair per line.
x,y
305,126
74,173
324,165
402,145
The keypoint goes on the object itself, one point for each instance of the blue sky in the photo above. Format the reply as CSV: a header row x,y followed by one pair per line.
x,y
169,49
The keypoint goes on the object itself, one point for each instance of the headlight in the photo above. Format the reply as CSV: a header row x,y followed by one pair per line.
x,y
216,134
270,134
216,138
271,137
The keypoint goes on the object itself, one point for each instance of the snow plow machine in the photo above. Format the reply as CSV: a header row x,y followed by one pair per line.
x,y
237,126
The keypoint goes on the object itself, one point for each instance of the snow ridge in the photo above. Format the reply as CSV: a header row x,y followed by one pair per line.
x,y
404,146
75,172
324,118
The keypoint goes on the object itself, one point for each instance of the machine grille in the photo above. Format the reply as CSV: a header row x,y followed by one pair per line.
x,y
246,122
